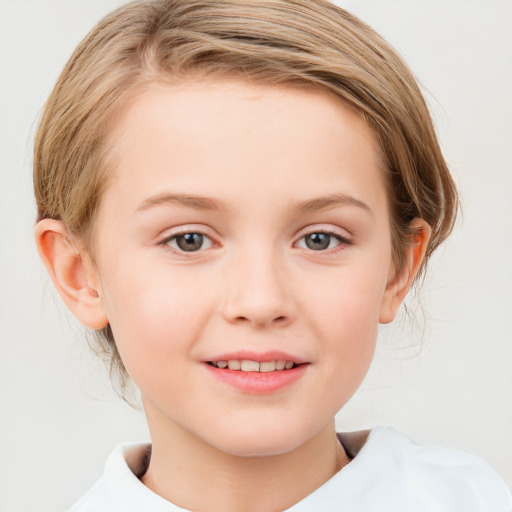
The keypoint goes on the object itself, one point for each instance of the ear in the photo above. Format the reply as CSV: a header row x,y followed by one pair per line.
x,y
72,273
400,281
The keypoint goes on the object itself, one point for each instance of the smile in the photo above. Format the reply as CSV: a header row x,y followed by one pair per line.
x,y
257,374
246,365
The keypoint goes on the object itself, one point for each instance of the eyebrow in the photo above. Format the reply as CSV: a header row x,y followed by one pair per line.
x,y
330,201
190,201
207,203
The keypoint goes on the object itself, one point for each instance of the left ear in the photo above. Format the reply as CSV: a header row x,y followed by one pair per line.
x,y
400,280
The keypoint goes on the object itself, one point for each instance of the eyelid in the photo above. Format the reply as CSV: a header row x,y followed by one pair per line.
x,y
183,230
343,239
343,234
340,234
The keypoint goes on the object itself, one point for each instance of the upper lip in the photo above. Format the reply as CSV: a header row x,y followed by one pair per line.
x,y
248,355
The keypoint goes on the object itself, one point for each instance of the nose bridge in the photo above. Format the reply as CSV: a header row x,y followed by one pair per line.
x,y
257,286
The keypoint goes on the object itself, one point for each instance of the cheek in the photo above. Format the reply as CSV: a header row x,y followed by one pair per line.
x,y
154,320
344,318
349,300
348,323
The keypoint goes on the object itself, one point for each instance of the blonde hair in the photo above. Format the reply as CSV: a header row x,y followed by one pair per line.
x,y
308,43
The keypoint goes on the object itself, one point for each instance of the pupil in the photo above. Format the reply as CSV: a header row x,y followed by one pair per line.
x,y
190,241
318,241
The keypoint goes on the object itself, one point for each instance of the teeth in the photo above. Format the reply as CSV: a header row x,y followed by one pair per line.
x,y
254,366
234,365
250,366
268,366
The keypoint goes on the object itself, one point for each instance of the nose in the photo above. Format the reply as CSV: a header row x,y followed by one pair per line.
x,y
258,291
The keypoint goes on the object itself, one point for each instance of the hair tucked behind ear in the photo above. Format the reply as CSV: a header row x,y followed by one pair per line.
x,y
309,43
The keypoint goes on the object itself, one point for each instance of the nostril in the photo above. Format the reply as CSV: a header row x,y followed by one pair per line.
x,y
277,320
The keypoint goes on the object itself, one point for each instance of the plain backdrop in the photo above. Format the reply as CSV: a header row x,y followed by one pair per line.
x,y
443,378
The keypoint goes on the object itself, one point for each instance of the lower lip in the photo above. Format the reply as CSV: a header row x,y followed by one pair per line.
x,y
258,382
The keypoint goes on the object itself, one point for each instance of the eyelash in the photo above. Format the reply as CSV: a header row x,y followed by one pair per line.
x,y
341,240
166,241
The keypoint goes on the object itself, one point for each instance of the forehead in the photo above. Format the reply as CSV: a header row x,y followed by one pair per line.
x,y
216,137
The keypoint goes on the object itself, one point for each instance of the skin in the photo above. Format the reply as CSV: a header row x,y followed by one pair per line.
x,y
255,284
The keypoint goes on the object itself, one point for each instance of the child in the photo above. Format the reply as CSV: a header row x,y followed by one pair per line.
x,y
236,194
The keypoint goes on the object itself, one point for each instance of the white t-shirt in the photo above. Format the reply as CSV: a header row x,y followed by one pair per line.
x,y
387,474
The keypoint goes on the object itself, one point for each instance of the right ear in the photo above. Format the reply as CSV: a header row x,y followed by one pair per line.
x,y
72,274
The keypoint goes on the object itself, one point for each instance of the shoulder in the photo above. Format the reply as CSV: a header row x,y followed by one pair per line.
x,y
389,473
448,479
119,489
427,457
96,498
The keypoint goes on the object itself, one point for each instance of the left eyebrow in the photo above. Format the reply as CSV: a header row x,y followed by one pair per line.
x,y
190,201
322,203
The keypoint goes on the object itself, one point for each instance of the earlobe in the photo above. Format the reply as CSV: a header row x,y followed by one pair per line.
x,y
401,281
71,274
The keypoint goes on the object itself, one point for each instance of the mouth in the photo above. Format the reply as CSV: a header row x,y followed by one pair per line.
x,y
247,365
257,373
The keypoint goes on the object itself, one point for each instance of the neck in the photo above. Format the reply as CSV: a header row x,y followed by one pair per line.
x,y
196,476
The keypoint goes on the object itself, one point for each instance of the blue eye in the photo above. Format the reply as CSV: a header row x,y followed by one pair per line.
x,y
320,241
189,242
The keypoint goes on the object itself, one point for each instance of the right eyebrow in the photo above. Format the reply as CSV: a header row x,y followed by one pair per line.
x,y
190,201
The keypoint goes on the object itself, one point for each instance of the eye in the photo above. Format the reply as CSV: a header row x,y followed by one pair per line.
x,y
189,242
320,241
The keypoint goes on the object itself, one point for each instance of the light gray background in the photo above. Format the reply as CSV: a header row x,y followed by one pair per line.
x,y
59,418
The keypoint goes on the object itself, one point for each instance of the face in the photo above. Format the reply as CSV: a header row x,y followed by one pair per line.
x,y
244,225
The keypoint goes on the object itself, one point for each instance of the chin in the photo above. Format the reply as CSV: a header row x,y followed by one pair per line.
x,y
258,440
258,447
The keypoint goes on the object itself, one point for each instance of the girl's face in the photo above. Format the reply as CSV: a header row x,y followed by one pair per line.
x,y
244,223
